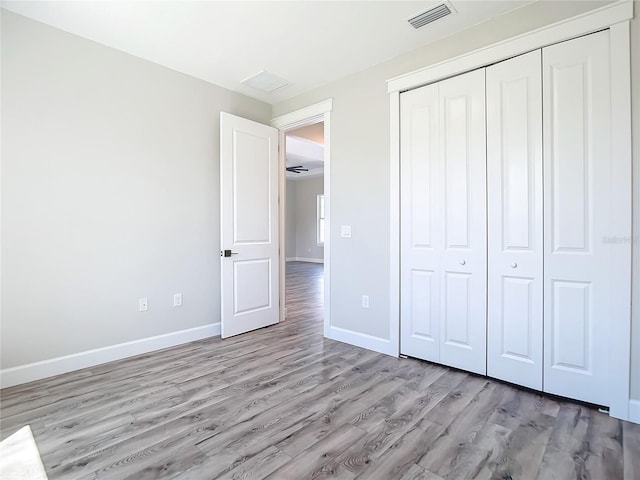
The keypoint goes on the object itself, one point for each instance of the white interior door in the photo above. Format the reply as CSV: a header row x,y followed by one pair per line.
x,y
463,290
514,216
578,208
421,223
248,225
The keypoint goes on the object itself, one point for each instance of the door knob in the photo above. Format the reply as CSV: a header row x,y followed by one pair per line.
x,y
514,265
462,262
227,253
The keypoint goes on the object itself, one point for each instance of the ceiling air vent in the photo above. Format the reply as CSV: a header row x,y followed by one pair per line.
x,y
431,15
265,81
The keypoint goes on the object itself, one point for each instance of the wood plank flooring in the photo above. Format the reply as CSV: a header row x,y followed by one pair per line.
x,y
285,403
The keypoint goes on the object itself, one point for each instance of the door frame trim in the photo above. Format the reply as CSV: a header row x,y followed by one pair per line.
x,y
312,114
616,18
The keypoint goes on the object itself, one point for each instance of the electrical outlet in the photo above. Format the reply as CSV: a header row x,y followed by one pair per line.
x,y
143,304
177,300
365,301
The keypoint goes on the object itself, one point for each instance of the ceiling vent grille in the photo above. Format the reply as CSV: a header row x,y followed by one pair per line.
x,y
430,15
265,81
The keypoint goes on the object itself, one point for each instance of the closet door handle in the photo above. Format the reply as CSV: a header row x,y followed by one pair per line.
x,y
462,262
514,265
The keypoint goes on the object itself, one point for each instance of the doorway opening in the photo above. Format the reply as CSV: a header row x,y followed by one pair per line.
x,y
319,113
305,218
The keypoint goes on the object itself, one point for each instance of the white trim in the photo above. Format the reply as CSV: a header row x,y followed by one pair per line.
x,y
634,411
303,259
305,116
282,217
319,112
377,344
616,18
68,363
621,219
579,25
327,221
394,223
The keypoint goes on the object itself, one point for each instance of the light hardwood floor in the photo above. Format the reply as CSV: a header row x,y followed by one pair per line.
x,y
285,403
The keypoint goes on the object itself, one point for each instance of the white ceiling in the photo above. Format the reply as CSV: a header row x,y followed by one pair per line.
x,y
306,153
308,43
305,146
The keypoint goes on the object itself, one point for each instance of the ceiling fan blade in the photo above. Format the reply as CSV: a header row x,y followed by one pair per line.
x,y
297,169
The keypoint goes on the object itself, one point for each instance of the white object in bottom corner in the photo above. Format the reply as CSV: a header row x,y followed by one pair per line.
x,y
20,458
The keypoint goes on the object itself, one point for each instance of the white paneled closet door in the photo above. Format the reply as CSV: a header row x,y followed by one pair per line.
x,y
463,332
578,206
514,216
443,236
421,220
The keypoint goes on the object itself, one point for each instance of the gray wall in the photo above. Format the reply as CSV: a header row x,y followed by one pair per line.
x,y
360,143
290,217
301,218
110,192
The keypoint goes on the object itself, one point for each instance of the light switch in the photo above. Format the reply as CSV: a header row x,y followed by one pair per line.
x,y
177,300
143,304
345,231
365,301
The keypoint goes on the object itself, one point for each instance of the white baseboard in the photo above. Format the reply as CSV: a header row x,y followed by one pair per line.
x,y
377,344
68,363
634,411
304,259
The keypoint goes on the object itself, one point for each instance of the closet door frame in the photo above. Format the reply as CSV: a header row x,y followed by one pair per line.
x,y
616,18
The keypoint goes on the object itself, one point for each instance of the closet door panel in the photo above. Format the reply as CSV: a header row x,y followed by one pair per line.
x,y
421,220
514,216
463,154
577,151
